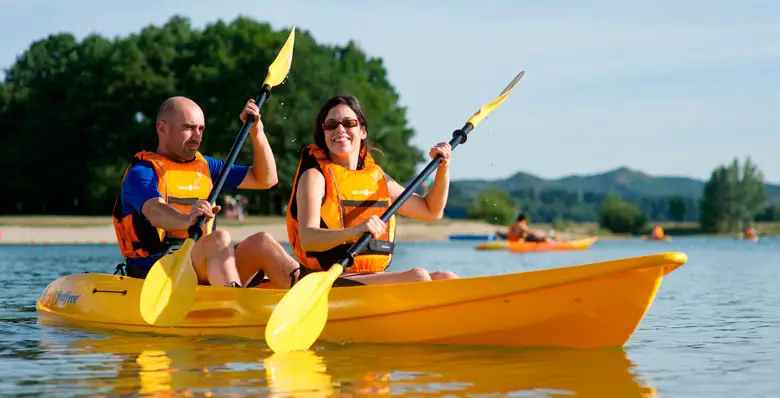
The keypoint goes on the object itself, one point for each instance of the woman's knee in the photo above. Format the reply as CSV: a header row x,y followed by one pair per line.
x,y
418,274
443,275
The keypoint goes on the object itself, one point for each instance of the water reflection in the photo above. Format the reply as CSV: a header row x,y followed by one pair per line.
x,y
471,372
302,374
124,363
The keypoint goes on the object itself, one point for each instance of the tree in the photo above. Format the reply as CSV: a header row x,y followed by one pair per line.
x,y
677,208
494,206
732,197
73,113
619,216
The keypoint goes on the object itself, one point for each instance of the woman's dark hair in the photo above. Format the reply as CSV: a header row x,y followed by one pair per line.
x,y
352,103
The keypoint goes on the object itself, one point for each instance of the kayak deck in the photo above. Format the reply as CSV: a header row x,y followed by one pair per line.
x,y
582,306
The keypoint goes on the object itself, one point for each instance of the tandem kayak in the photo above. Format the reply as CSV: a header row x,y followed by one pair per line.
x,y
579,244
582,306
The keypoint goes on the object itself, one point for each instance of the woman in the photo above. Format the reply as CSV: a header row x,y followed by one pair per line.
x,y
339,193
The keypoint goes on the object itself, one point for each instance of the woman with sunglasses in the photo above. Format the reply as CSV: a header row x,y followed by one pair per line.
x,y
339,193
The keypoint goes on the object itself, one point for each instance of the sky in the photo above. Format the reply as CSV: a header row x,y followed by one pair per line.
x,y
666,87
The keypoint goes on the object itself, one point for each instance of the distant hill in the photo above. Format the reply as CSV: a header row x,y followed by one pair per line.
x,y
631,184
625,181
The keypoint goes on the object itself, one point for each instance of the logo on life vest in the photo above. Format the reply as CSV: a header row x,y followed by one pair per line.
x,y
364,192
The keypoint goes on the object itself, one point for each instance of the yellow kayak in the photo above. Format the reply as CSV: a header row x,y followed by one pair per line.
x,y
583,306
579,244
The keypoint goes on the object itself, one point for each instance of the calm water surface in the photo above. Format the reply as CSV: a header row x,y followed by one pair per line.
x,y
713,331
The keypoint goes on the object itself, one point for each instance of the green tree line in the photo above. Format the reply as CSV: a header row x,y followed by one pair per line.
x,y
73,113
733,198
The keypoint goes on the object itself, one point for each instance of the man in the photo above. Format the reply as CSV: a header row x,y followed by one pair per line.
x,y
519,231
164,192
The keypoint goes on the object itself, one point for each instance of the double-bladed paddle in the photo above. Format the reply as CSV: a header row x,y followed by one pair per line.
x,y
170,286
299,317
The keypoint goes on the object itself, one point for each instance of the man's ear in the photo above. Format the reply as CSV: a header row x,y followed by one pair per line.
x,y
162,127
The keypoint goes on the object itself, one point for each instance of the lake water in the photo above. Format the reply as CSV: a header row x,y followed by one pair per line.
x,y
713,331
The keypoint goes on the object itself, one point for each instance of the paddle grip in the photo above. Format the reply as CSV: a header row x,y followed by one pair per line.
x,y
458,137
195,230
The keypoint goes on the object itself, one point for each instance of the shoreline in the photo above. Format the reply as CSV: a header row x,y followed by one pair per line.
x,y
44,229
100,230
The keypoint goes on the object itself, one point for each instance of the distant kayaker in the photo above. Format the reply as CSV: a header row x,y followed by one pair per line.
x,y
519,231
339,193
658,232
164,192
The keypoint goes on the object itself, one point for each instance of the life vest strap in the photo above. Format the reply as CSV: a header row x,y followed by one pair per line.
x,y
335,254
182,201
167,245
365,203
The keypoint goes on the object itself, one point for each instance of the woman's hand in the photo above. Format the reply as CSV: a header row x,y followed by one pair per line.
x,y
374,225
444,150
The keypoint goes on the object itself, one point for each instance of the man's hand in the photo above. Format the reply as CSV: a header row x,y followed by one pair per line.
x,y
252,109
203,208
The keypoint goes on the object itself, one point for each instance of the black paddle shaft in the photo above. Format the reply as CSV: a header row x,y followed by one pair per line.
x,y
458,137
195,230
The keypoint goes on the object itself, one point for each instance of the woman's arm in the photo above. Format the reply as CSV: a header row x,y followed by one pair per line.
x,y
311,192
430,207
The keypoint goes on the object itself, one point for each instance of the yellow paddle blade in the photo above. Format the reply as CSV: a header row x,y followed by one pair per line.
x,y
279,69
298,319
485,110
169,289
299,374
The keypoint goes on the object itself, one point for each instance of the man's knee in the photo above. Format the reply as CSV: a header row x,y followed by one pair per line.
x,y
260,239
218,239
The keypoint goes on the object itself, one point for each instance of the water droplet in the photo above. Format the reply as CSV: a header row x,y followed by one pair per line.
x,y
281,104
293,140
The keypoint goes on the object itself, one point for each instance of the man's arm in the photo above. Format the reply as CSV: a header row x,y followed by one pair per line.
x,y
262,174
161,215
140,194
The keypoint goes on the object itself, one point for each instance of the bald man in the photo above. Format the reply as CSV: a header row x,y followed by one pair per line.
x,y
164,192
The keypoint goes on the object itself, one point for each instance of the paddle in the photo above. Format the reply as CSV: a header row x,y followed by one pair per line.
x,y
170,287
298,319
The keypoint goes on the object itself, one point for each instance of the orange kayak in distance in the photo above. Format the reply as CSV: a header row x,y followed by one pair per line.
x,y
578,244
662,239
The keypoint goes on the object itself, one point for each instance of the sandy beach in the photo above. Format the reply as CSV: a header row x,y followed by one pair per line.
x,y
53,229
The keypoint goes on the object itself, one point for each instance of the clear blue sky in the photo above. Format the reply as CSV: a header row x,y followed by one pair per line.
x,y
666,87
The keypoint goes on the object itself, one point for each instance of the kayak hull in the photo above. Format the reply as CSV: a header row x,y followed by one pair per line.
x,y
661,239
488,237
584,306
579,244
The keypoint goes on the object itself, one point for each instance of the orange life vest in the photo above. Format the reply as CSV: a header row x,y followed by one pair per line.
x,y
351,197
658,232
511,236
181,185
750,233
